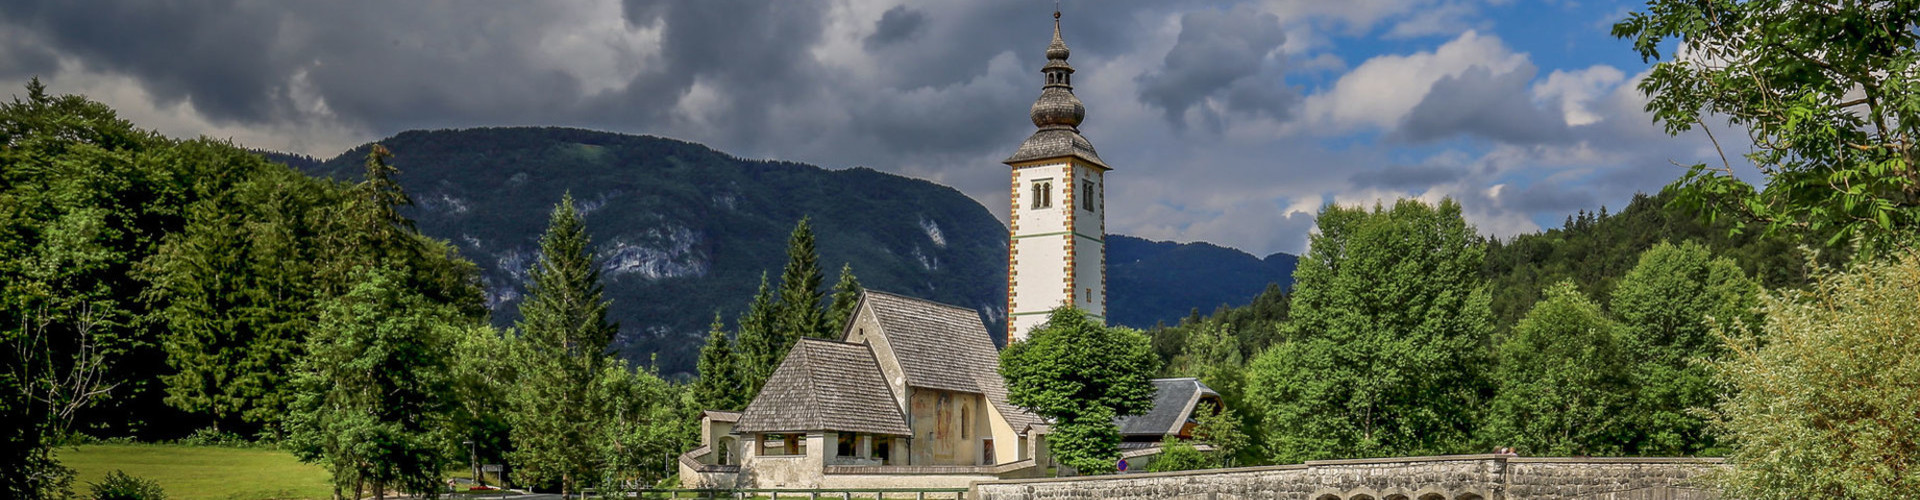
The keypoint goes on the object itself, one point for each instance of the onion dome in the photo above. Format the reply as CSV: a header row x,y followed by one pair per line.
x,y
1057,113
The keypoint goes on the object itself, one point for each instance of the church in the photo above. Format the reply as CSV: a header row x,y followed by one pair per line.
x,y
911,395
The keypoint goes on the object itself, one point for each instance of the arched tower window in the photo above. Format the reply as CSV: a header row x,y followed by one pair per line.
x,y
1043,193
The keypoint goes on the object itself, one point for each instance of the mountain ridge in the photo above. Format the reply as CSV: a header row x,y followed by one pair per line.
x,y
682,230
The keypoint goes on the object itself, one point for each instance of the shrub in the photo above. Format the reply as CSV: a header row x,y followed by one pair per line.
x,y
214,437
120,486
1178,455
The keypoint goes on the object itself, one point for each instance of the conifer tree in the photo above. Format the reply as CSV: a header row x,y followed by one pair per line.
x,y
799,313
566,333
846,296
760,344
719,385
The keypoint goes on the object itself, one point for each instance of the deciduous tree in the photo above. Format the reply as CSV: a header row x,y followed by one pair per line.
x,y
1667,304
1824,395
1825,92
373,398
1562,389
1082,375
1387,339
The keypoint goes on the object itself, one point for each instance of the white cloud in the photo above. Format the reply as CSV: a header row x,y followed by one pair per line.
x,y
1383,90
1576,91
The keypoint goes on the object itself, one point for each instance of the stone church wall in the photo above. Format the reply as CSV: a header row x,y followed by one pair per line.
x,y
1465,477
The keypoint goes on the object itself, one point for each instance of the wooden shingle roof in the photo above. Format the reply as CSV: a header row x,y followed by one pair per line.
x,y
944,347
825,385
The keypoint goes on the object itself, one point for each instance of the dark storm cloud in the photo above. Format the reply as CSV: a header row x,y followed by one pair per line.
x,y
898,23
1222,52
1406,177
205,50
21,57
1479,103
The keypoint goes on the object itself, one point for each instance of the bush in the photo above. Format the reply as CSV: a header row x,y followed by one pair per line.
x,y
120,486
214,437
1824,401
1178,455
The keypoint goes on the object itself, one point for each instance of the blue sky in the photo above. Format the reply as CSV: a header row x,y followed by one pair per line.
x,y
1229,122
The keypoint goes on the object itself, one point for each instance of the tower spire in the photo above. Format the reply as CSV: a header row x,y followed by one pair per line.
x,y
1056,251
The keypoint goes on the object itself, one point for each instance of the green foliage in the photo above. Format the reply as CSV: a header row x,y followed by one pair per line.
x,y
486,369
1387,338
646,427
1667,304
84,197
761,346
1158,282
235,286
489,190
1596,250
372,392
1088,442
1081,375
719,386
214,437
798,313
1254,326
1210,347
1817,88
1561,389
566,337
1823,397
846,297
1220,427
1178,455
120,486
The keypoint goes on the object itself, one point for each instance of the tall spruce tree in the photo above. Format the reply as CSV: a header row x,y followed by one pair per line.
x,y
760,344
799,313
719,387
846,296
566,333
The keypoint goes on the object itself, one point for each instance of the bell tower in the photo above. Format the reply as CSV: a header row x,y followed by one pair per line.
x,y
1056,249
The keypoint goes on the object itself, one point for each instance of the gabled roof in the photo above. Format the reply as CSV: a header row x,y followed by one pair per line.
x,y
825,385
943,347
1173,401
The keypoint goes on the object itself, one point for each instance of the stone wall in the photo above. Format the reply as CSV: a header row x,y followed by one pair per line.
x,y
1460,477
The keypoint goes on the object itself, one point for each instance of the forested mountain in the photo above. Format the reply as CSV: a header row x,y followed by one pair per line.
x,y
1596,249
683,230
1161,281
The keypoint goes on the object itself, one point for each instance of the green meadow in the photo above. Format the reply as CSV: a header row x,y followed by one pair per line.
x,y
201,472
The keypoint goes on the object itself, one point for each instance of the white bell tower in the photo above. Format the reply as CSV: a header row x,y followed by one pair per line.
x,y
1056,249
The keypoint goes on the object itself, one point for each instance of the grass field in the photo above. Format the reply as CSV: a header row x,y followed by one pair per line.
x,y
201,472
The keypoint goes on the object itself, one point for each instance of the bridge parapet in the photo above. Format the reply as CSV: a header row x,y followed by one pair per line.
x,y
1452,477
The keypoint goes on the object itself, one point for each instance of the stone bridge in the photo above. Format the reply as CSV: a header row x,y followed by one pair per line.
x,y
1456,477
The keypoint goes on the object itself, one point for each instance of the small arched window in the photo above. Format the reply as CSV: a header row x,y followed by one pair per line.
x,y
1043,194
